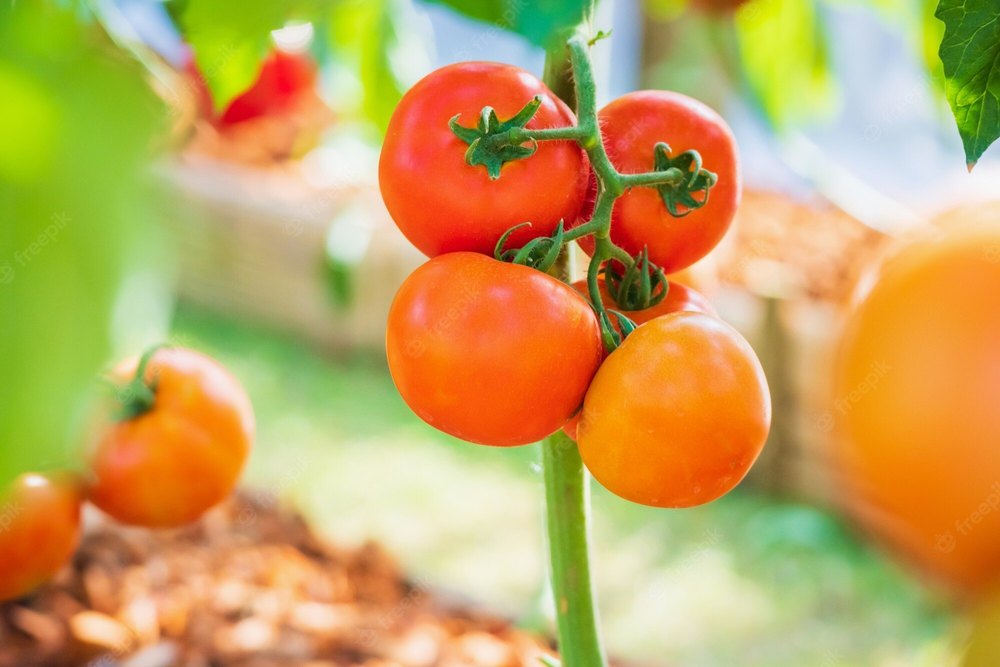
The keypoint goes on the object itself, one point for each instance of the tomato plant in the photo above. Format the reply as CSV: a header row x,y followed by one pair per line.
x,y
476,207
176,443
916,387
39,530
471,342
481,157
633,125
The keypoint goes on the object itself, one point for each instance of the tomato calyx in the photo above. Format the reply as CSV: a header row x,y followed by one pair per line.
x,y
494,142
640,286
539,253
693,180
137,396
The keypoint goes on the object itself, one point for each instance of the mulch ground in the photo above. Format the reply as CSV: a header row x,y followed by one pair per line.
x,y
248,586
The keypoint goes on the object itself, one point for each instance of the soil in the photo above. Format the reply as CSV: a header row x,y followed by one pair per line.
x,y
249,586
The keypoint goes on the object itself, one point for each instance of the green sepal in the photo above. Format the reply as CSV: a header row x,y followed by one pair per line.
x,y
539,253
642,285
698,180
490,142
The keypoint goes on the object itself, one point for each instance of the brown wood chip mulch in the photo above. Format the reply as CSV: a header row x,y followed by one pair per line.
x,y
248,586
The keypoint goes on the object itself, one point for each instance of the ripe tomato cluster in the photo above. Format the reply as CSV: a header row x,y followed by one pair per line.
x,y
668,405
169,446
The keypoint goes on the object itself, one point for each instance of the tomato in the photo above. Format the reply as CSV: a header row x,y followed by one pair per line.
x,y
283,77
493,353
677,414
917,402
39,531
631,126
679,298
443,204
168,465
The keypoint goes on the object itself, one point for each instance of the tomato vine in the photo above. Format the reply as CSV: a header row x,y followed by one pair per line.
x,y
678,179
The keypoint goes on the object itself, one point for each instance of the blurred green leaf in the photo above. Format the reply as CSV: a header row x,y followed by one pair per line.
x,y
364,42
539,21
785,58
931,32
75,132
230,39
970,53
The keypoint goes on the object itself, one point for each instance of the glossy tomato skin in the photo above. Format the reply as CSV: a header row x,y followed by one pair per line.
x,y
677,414
39,530
631,126
492,353
917,403
169,465
444,205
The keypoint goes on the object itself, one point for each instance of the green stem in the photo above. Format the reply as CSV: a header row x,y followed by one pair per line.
x,y
567,498
651,178
567,483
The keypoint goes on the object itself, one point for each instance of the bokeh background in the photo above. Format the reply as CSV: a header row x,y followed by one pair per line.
x,y
263,241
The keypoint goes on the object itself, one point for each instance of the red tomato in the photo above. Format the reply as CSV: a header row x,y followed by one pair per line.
x,y
676,416
680,298
444,205
493,353
917,402
168,465
631,126
283,77
39,531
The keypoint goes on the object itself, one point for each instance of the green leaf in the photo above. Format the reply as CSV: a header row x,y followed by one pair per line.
x,y
230,39
539,22
365,42
786,59
970,53
73,207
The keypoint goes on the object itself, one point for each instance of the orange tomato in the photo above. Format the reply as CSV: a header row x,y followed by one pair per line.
x,y
680,298
917,402
39,531
170,464
676,416
493,353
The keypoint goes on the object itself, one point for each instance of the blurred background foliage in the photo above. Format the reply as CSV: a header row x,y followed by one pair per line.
x,y
74,220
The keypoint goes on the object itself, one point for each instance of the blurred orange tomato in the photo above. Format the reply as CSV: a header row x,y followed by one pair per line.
x,y
39,530
917,401
168,465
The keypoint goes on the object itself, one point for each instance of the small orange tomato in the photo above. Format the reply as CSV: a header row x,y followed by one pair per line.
x,y
183,452
493,353
676,416
39,530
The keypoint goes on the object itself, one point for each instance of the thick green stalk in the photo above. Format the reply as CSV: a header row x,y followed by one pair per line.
x,y
567,499
567,487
